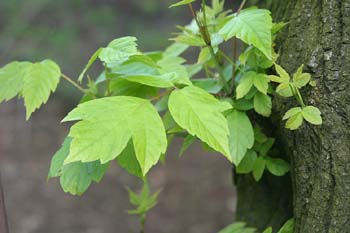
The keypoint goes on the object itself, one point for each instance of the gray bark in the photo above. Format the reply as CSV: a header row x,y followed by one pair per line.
x,y
318,35
3,220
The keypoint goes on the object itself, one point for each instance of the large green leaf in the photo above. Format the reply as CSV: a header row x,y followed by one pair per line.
x,y
241,135
33,81
106,125
253,26
201,115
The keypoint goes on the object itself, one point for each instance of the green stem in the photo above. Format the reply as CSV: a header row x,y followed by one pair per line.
x,y
73,83
297,96
142,221
221,72
204,31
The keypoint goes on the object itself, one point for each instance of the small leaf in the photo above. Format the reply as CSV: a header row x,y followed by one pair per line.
x,y
282,73
181,3
288,227
58,159
261,83
210,85
89,64
291,112
118,50
266,146
245,84
188,141
277,167
285,89
262,104
312,115
201,115
241,135
301,79
268,230
294,122
258,169
247,163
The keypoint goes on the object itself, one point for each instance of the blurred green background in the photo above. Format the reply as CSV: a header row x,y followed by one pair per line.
x,y
197,196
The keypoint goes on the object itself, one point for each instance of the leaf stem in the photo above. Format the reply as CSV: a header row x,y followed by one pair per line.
x,y
161,95
71,81
206,37
241,6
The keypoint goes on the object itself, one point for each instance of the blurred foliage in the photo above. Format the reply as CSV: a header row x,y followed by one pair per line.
x,y
69,31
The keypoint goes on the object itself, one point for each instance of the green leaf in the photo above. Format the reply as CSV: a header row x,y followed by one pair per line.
x,y
241,135
128,160
266,146
277,167
123,87
210,85
295,121
245,84
33,81
58,159
90,63
238,227
285,89
249,79
291,112
253,26
301,79
247,163
288,227
39,80
106,125
161,81
77,177
201,115
262,104
11,79
169,64
312,115
118,50
145,201
261,83
244,104
189,39
268,230
188,141
282,73
258,168
175,49
181,3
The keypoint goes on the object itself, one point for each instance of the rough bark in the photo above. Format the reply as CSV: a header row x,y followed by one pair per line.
x,y
3,220
318,35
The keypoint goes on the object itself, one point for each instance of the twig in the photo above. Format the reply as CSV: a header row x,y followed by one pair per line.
x,y
73,83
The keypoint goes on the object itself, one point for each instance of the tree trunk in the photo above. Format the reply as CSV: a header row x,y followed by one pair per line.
x,y
3,220
318,35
